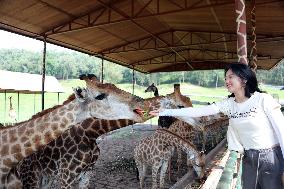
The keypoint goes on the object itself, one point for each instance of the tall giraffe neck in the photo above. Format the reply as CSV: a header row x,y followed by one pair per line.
x,y
97,127
241,31
22,140
177,141
156,92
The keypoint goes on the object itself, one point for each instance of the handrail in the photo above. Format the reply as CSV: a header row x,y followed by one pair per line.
x,y
231,171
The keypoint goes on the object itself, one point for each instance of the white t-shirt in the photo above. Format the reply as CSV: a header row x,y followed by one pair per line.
x,y
249,125
256,123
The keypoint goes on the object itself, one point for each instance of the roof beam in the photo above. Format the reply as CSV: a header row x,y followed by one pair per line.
x,y
216,55
131,44
145,30
202,65
171,58
150,42
93,18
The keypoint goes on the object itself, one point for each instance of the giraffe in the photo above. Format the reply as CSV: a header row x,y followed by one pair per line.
x,y
99,100
48,164
240,6
65,158
163,121
156,150
199,132
12,113
215,130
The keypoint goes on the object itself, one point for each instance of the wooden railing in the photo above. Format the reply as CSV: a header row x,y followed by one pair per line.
x,y
227,174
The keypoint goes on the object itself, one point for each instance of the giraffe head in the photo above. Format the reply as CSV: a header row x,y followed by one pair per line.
x,y
172,100
198,163
151,88
105,99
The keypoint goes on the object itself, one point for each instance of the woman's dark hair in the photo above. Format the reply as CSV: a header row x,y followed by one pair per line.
x,y
244,72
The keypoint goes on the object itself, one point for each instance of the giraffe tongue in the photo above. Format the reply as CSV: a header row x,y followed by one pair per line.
x,y
139,111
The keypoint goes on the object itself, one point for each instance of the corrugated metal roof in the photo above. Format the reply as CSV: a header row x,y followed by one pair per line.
x,y
27,83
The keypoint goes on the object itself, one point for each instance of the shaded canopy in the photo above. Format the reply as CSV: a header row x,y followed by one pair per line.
x,y
150,35
27,83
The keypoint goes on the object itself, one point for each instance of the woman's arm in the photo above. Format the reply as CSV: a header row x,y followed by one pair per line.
x,y
275,116
190,112
277,120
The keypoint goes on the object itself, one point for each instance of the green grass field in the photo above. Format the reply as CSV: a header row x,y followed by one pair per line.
x,y
29,104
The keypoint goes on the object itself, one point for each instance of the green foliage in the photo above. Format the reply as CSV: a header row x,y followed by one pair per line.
x,y
69,64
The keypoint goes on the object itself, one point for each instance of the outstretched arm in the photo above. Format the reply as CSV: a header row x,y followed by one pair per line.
x,y
189,112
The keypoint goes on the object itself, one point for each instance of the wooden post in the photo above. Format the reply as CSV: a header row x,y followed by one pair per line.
x,y
241,31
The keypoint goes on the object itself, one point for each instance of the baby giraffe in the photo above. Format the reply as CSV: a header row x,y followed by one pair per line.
x,y
156,151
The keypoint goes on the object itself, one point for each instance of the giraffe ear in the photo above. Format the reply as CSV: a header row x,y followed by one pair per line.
x,y
81,94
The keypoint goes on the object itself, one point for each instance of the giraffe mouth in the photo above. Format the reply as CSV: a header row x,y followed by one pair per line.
x,y
143,113
139,111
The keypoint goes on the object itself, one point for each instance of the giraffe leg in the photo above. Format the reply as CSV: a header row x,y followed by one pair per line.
x,y
169,169
179,158
155,170
163,173
141,172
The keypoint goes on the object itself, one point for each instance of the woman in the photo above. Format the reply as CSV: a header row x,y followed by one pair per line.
x,y
256,127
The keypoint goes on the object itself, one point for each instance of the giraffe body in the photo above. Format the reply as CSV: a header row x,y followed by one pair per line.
x,y
205,127
97,100
65,158
156,150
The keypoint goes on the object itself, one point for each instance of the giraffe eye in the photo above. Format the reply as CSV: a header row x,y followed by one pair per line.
x,y
101,96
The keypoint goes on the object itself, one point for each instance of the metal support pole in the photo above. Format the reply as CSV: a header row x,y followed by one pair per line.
x,y
43,73
58,98
5,106
102,71
18,106
133,80
241,31
34,102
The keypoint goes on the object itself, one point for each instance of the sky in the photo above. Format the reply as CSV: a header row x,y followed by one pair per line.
x,y
10,40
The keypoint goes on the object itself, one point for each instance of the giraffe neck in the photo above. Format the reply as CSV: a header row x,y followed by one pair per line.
x,y
22,140
177,141
156,92
97,127
241,31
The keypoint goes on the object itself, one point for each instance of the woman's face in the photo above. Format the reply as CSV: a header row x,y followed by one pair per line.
x,y
233,82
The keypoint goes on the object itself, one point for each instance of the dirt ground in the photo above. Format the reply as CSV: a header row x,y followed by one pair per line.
x,y
116,168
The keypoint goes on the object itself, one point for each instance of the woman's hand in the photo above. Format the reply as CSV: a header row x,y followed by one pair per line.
x,y
154,112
